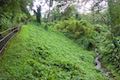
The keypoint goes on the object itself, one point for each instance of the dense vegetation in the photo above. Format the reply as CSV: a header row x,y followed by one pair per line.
x,y
61,44
13,12
46,55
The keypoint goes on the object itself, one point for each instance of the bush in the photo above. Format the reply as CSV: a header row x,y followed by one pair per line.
x,y
116,30
75,28
8,19
85,34
5,22
114,54
80,31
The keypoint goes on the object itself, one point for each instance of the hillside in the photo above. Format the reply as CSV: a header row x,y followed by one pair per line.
x,y
37,54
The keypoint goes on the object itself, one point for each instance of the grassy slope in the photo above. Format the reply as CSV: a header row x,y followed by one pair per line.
x,y
36,54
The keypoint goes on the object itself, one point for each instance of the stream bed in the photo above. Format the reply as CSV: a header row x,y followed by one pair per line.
x,y
99,67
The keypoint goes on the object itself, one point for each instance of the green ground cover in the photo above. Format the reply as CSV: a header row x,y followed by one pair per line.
x,y
37,54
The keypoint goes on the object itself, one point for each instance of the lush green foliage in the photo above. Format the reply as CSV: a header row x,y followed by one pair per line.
x,y
114,11
82,31
92,36
46,55
76,28
12,12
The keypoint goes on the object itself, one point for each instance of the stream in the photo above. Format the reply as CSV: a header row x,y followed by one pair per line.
x,y
99,67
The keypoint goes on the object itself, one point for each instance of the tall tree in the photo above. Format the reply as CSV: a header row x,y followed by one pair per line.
x,y
38,14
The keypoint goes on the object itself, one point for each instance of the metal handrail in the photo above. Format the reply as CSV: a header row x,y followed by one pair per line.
x,y
8,36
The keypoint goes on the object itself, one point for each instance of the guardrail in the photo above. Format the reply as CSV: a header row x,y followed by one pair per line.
x,y
6,35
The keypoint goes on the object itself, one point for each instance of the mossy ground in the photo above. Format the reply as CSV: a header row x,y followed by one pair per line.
x,y
37,54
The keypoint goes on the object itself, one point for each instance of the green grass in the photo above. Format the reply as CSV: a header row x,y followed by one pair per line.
x,y
37,54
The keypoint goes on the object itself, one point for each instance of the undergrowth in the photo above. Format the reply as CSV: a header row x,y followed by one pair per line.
x,y
37,54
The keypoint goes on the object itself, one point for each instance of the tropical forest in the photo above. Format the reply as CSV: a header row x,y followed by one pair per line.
x,y
59,39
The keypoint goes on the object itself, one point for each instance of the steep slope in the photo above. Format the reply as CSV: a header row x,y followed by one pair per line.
x,y
37,54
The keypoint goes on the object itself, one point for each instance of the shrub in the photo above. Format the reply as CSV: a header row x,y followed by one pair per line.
x,y
75,28
4,22
81,31
116,30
